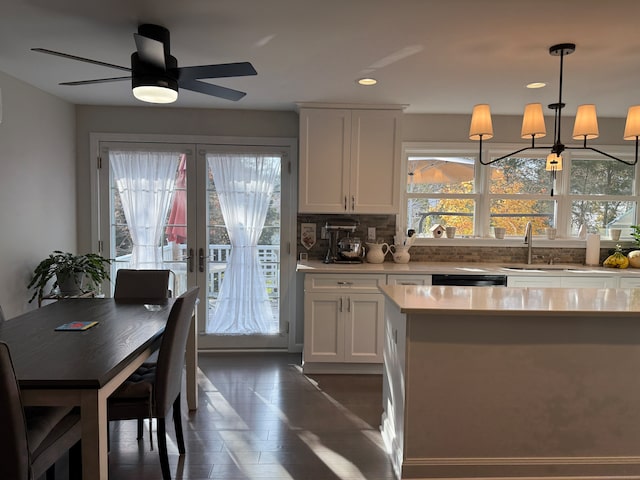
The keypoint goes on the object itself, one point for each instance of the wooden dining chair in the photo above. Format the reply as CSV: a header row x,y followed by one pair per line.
x,y
155,387
32,439
147,285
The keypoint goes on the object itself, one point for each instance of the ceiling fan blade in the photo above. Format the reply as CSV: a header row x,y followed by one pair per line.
x,y
210,89
80,59
99,80
150,51
240,69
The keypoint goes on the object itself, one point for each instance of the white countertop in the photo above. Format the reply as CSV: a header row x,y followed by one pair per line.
x,y
428,268
447,300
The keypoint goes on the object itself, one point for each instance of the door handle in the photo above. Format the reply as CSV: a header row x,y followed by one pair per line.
x,y
190,258
353,202
345,203
201,258
341,304
349,304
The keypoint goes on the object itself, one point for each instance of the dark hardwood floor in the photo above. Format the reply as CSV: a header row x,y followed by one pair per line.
x,y
260,418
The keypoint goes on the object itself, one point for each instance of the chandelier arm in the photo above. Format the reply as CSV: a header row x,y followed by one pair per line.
x,y
608,155
511,154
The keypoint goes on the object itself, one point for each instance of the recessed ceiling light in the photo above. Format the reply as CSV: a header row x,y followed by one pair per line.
x,y
536,85
367,81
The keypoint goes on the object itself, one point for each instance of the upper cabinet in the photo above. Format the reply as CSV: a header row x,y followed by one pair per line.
x,y
350,160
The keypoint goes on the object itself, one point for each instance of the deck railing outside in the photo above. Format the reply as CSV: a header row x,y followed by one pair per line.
x,y
175,259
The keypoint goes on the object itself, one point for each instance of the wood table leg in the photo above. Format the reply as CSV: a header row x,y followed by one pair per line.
x,y
93,412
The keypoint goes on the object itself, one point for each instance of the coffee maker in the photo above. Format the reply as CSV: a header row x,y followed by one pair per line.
x,y
343,248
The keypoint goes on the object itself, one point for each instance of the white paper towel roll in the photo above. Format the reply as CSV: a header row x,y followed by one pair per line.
x,y
593,249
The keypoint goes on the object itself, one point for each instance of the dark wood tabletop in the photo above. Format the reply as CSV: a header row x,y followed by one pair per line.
x,y
46,358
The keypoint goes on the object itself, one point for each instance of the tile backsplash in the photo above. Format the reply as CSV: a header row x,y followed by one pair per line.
x,y
385,226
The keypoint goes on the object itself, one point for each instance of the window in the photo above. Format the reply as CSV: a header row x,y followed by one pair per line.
x,y
440,190
446,185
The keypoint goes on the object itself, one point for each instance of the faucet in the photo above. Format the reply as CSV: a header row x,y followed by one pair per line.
x,y
528,240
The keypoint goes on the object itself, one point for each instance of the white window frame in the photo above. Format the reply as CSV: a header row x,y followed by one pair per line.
x,y
483,199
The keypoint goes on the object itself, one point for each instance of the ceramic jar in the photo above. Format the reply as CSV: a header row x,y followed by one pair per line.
x,y
376,252
400,253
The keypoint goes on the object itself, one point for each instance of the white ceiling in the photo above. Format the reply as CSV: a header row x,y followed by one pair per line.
x,y
437,56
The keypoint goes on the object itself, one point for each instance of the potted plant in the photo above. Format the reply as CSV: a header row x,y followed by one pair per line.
x,y
69,273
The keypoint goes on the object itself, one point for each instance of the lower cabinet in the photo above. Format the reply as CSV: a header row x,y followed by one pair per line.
x,y
409,280
343,324
629,282
567,281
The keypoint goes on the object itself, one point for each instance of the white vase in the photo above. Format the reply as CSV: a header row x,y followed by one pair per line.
x,y
400,253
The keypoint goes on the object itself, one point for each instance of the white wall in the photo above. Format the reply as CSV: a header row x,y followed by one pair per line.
x,y
37,186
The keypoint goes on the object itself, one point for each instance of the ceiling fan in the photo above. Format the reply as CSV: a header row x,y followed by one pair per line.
x,y
155,75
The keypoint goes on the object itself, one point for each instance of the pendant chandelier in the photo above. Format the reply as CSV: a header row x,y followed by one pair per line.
x,y
585,127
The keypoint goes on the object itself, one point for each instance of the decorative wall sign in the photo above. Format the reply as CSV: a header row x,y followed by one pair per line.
x,y
308,235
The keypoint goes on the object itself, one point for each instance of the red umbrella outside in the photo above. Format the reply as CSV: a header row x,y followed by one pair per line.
x,y
176,230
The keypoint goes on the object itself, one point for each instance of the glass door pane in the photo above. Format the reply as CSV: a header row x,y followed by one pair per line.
x,y
243,215
145,187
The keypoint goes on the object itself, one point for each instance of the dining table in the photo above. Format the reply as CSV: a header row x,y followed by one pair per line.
x,y
82,368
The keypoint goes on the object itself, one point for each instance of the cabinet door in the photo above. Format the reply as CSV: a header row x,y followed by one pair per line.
x,y
533,281
375,161
629,282
323,327
409,280
595,282
325,149
364,328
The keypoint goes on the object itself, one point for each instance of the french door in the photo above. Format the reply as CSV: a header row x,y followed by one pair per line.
x,y
218,216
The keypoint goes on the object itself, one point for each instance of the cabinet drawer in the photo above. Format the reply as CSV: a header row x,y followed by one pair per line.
x,y
409,280
365,283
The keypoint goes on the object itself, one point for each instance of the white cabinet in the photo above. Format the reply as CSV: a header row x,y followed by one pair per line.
x,y
566,280
630,282
399,279
349,160
571,281
532,281
343,322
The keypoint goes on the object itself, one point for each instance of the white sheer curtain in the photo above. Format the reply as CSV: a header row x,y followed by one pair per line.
x,y
145,181
244,184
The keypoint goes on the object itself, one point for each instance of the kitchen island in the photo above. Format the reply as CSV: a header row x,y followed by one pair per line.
x,y
512,382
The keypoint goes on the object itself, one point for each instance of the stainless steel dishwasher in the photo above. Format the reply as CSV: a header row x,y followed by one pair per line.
x,y
470,280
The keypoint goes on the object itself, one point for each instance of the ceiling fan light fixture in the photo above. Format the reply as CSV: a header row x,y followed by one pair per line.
x,y
155,94
155,90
